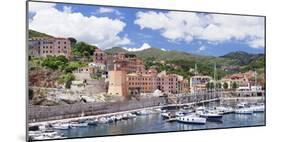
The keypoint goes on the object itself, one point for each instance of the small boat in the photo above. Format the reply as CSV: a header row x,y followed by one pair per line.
x,y
166,115
47,135
244,111
242,105
211,115
143,112
92,122
191,119
258,108
224,110
102,120
180,113
61,126
158,110
76,124
131,115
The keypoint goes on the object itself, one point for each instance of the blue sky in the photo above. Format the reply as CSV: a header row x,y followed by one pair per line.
x,y
137,29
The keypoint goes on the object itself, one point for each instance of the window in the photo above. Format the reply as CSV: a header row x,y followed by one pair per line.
x,y
58,47
58,42
64,47
65,42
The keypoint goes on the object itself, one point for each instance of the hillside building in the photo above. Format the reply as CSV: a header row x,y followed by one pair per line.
x,y
44,46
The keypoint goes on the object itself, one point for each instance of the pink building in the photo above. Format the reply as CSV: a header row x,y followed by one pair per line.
x,y
44,46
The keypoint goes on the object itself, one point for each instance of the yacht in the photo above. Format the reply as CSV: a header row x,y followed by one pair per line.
x,y
244,111
210,114
76,124
191,119
61,126
224,110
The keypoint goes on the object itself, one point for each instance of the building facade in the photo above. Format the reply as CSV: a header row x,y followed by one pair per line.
x,y
198,83
149,81
44,46
99,56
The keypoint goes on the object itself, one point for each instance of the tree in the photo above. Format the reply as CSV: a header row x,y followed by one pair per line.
x,y
73,41
208,86
234,86
66,79
225,85
212,85
54,62
83,49
218,85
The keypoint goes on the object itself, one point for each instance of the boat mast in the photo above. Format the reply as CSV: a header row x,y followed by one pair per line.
x,y
215,76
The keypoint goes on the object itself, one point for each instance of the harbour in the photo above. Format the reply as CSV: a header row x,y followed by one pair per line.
x,y
210,114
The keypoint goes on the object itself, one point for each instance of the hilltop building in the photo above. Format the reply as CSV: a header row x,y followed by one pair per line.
x,y
99,56
44,46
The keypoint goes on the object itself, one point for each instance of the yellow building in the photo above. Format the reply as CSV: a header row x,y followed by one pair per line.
x,y
117,83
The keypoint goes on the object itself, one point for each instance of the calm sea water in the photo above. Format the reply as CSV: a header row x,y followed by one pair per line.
x,y
155,123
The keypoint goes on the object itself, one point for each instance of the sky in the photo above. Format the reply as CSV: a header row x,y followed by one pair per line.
x,y
139,29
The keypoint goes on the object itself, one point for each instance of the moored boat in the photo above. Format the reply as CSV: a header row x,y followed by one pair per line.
x,y
244,111
76,124
191,119
61,126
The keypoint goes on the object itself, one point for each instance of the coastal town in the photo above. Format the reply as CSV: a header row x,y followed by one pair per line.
x,y
126,76
133,89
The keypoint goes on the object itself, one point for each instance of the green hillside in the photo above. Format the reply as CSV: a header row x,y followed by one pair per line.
x,y
32,33
183,63
243,58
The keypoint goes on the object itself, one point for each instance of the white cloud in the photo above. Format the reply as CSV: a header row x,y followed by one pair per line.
x,y
105,10
163,49
37,6
108,10
67,9
201,48
214,28
143,47
101,31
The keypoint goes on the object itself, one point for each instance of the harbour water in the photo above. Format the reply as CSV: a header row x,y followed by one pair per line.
x,y
155,123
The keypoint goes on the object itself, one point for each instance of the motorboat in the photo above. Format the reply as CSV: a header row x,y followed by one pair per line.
x,y
224,110
244,111
61,126
102,120
210,114
166,115
191,119
130,115
92,122
143,112
258,108
76,124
